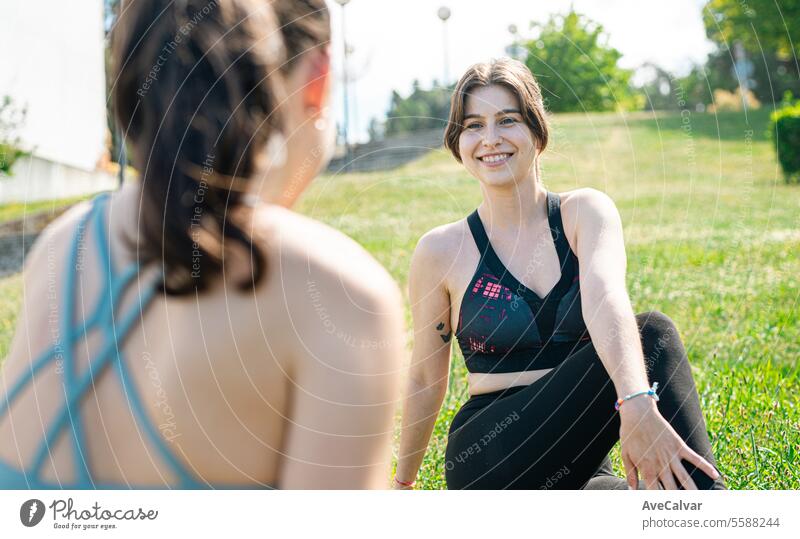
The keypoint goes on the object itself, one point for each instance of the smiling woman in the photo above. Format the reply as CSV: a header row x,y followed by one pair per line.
x,y
517,92
541,314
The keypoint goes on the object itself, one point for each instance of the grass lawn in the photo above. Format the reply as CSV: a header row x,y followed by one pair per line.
x,y
19,210
712,236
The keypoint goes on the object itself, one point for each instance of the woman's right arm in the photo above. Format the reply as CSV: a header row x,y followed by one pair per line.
x,y
430,361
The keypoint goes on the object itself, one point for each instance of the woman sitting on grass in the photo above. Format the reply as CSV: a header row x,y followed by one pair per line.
x,y
172,333
532,284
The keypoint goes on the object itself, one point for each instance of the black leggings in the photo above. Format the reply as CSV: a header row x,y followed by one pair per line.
x,y
557,432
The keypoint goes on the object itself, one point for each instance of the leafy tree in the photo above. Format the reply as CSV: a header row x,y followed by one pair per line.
x,y
759,24
11,120
767,30
661,92
770,79
376,129
576,67
697,88
422,109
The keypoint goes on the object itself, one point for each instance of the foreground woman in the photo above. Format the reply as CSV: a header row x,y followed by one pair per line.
x,y
181,332
532,284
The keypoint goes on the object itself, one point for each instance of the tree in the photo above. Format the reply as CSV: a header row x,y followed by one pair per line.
x,y
375,129
697,87
661,89
12,119
421,110
759,24
767,30
576,67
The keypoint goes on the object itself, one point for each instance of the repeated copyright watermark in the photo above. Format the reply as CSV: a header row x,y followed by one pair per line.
x,y
481,443
167,50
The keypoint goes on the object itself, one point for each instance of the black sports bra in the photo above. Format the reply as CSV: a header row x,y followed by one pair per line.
x,y
503,326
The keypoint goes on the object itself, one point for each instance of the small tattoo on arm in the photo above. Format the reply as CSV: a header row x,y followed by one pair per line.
x,y
446,336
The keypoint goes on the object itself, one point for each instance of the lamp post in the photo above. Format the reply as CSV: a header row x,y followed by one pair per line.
x,y
345,125
444,14
515,50
352,79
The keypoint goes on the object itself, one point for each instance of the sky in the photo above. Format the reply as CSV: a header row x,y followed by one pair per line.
x,y
396,41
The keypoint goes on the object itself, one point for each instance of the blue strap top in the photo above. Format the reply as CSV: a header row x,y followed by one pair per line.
x,y
113,329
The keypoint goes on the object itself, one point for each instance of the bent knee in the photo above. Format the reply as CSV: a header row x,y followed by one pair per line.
x,y
661,342
656,323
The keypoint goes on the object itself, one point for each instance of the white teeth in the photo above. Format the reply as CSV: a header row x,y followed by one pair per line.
x,y
495,158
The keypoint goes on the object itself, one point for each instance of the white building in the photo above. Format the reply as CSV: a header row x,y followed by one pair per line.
x,y
52,63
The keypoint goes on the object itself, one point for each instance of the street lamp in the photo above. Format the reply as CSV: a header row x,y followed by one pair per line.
x,y
352,78
344,84
444,14
515,50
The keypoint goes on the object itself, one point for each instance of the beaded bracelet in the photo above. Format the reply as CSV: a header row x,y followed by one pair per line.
x,y
651,392
404,483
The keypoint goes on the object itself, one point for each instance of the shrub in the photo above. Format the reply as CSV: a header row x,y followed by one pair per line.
x,y
11,118
784,129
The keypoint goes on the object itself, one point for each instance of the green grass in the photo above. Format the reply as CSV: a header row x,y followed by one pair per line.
x,y
18,210
10,302
712,239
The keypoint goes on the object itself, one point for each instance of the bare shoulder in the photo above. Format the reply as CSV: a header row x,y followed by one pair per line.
x,y
583,199
438,248
333,306
586,208
313,254
56,236
68,221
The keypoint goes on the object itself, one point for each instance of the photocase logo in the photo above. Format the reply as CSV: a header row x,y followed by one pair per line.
x,y
32,512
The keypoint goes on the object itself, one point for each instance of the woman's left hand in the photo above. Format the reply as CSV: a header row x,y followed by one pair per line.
x,y
651,447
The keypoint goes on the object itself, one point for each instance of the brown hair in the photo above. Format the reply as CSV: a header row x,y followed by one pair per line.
x,y
305,24
513,75
196,88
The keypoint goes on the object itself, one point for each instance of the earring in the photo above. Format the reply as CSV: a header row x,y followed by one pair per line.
x,y
321,123
276,149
